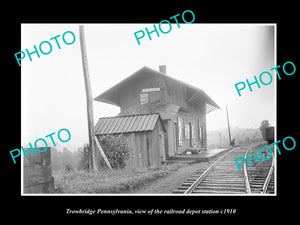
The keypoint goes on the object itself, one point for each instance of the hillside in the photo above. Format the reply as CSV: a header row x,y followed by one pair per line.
x,y
241,135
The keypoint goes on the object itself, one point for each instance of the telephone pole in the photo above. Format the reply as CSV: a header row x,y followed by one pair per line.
x,y
228,126
89,100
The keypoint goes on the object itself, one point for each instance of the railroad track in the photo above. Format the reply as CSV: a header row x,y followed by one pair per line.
x,y
261,175
222,176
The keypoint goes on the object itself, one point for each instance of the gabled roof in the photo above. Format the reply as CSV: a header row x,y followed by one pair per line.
x,y
126,124
197,94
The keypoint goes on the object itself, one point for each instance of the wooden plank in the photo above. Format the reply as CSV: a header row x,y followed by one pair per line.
x,y
135,156
162,145
151,89
147,151
150,140
156,147
138,152
36,174
47,187
43,158
102,152
171,138
136,148
131,151
148,155
127,141
166,141
142,148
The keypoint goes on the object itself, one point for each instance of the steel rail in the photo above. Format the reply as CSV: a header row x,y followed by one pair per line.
x,y
248,188
203,175
267,181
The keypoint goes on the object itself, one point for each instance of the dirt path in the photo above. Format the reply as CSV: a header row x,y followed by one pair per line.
x,y
167,184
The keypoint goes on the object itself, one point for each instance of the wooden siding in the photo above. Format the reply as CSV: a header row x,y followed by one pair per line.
x,y
126,93
166,111
173,92
143,134
146,149
131,94
177,93
37,173
191,103
188,118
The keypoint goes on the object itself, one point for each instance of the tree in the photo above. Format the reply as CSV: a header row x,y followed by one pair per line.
x,y
84,158
263,125
67,157
56,159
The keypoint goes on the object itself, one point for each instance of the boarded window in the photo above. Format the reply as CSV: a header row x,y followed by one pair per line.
x,y
193,132
198,130
144,98
180,131
187,131
154,97
176,133
153,94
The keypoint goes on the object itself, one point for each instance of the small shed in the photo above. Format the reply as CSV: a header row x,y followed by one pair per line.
x,y
143,134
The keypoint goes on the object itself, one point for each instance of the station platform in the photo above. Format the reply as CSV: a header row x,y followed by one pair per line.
x,y
203,156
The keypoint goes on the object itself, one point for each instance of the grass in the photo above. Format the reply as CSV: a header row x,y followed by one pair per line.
x,y
107,181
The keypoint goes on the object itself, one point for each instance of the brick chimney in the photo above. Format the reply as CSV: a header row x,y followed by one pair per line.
x,y
163,69
163,89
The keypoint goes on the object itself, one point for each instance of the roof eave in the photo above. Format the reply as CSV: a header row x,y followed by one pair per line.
x,y
100,98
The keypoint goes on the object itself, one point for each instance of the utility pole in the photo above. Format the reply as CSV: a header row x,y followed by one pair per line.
x,y
228,126
89,100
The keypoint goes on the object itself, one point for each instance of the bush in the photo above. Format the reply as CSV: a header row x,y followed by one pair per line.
x,y
83,163
68,168
115,150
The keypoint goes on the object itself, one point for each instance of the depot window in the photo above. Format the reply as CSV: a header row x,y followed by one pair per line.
x,y
144,98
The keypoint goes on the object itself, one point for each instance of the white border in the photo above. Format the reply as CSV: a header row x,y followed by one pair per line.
x,y
186,195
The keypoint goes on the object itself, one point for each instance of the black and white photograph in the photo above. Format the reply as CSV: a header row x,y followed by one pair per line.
x,y
175,111
183,113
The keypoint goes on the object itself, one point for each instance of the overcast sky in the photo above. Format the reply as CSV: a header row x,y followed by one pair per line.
x,y
212,57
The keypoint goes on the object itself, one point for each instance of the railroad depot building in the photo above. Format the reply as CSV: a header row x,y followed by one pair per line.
x,y
160,116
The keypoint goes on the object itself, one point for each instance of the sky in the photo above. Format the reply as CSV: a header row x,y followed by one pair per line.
x,y
212,57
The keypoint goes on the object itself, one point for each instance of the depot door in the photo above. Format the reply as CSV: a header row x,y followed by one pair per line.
x,y
176,129
191,134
